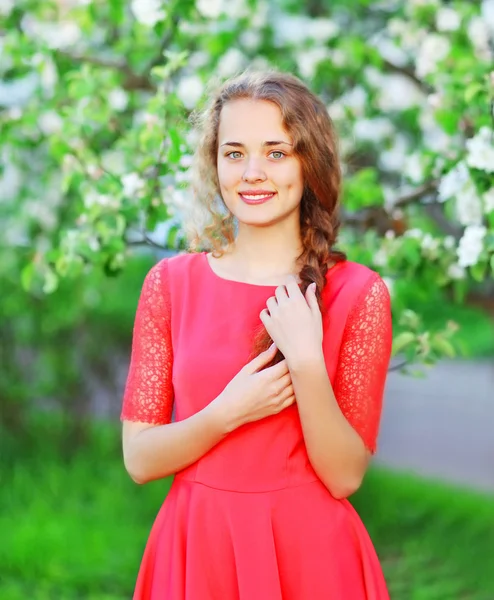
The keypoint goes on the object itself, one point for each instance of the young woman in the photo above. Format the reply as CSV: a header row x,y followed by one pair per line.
x,y
273,350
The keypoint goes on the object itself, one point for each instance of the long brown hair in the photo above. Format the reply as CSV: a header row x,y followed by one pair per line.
x,y
306,119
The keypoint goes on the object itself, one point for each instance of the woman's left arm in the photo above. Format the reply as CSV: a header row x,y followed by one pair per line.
x,y
340,424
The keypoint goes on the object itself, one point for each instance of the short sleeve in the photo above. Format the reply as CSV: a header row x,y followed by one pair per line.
x,y
148,395
364,359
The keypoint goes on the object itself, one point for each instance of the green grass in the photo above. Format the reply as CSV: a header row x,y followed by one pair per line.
x,y
74,529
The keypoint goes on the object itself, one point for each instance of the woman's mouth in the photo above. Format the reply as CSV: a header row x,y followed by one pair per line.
x,y
256,197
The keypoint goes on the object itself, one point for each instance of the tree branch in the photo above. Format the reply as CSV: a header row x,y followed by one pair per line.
x,y
407,72
132,80
417,194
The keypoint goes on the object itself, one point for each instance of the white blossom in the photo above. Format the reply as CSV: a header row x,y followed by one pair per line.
x,y
488,198
390,50
148,12
231,62
471,245
93,198
373,130
447,19
296,29
308,60
418,3
113,161
50,122
338,57
189,90
453,181
250,39
414,233
321,30
211,9
481,150
414,168
6,7
336,111
356,100
389,283
435,138
390,197
430,246
118,99
132,184
455,271
380,258
487,12
479,36
449,242
57,36
49,75
397,92
432,50
394,158
468,205
435,100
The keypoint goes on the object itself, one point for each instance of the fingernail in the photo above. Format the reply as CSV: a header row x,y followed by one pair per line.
x,y
272,347
313,286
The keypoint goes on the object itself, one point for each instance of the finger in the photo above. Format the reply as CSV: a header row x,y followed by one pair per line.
x,y
262,359
281,295
283,382
292,287
286,403
310,296
286,393
272,305
277,370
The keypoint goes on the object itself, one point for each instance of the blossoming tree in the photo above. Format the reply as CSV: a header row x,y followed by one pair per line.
x,y
96,149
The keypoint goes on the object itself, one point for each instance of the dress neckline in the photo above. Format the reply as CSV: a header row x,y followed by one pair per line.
x,y
245,283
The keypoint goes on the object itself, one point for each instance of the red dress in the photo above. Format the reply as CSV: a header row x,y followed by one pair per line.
x,y
251,520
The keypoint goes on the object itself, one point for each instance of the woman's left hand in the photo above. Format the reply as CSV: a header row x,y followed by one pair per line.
x,y
294,322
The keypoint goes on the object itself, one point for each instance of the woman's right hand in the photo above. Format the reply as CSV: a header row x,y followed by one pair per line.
x,y
254,394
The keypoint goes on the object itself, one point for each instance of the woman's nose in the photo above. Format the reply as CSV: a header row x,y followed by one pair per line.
x,y
254,172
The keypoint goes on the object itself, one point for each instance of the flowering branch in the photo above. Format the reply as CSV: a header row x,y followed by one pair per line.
x,y
133,81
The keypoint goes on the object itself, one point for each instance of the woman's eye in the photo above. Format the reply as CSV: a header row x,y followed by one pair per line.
x,y
235,154
277,154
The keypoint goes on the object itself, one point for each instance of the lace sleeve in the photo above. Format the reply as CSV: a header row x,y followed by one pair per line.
x,y
364,359
148,395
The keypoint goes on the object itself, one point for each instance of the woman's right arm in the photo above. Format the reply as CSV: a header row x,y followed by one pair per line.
x,y
155,451
153,446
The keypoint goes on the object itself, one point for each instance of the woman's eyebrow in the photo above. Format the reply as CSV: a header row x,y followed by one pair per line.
x,y
269,143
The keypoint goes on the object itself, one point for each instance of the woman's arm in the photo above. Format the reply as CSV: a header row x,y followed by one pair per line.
x,y
340,426
336,451
155,451
152,451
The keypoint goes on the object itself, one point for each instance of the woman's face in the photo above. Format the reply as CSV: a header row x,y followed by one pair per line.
x,y
259,175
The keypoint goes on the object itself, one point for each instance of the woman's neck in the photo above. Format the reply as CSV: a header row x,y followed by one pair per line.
x,y
264,253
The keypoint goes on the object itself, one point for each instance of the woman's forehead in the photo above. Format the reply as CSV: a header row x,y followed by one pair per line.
x,y
251,121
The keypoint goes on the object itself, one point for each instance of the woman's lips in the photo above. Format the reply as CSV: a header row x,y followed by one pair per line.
x,y
258,198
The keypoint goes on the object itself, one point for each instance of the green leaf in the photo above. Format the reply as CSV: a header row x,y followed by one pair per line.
x,y
478,271
472,90
401,341
27,275
51,282
443,346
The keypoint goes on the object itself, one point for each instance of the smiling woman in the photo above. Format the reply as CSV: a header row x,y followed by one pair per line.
x,y
260,167
273,349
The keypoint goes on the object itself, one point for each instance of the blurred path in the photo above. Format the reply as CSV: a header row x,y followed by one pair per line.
x,y
442,426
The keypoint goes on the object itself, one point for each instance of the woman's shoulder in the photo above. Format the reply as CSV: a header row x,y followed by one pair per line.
x,y
351,279
351,272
